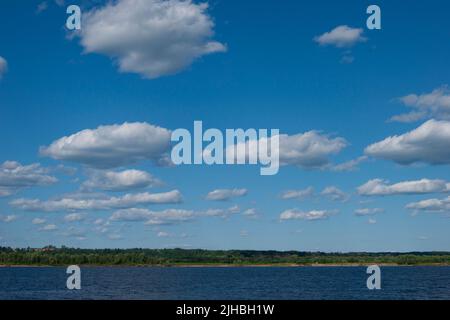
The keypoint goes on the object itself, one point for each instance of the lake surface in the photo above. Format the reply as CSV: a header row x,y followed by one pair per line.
x,y
225,283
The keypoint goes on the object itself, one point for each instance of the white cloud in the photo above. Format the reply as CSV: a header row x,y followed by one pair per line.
x,y
105,203
412,116
8,218
298,194
371,221
330,192
295,214
368,211
101,229
335,194
112,145
310,150
49,227
168,216
119,181
74,217
225,194
250,213
429,143
4,192
163,234
98,221
435,104
350,165
66,170
379,187
234,209
14,177
341,36
223,213
153,38
3,66
38,221
437,205
117,145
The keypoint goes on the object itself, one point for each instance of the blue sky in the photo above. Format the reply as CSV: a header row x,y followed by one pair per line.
x,y
233,64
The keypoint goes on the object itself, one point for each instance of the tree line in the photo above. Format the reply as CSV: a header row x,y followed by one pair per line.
x,y
53,256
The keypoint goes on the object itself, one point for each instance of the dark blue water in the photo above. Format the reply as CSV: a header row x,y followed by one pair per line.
x,y
226,283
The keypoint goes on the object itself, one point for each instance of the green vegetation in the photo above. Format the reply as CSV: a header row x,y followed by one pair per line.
x,y
53,256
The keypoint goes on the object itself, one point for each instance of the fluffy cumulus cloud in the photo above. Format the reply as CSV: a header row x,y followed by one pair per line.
x,y
38,221
429,143
432,205
14,177
112,145
435,104
368,211
168,216
74,217
331,192
341,36
251,213
297,194
222,213
3,66
379,187
164,217
163,234
311,150
335,194
350,165
152,38
98,203
119,181
225,194
295,214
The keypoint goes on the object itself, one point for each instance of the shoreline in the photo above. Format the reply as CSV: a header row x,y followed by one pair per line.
x,y
234,265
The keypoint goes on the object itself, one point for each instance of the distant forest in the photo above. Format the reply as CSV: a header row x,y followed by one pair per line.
x,y
52,256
